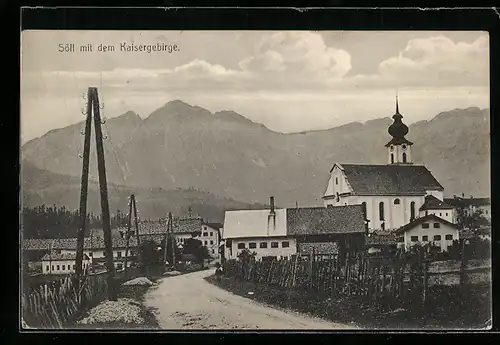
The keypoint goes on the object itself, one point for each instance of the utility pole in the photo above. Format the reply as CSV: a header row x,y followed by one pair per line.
x,y
172,239
103,186
166,243
136,220
94,108
127,235
84,190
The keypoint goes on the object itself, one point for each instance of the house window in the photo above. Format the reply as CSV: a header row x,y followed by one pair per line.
x,y
58,267
211,233
90,254
412,210
381,210
414,238
213,251
446,213
47,268
437,237
404,157
336,180
241,245
440,214
252,245
119,254
437,225
425,238
449,237
425,226
206,242
426,213
274,244
205,234
211,242
285,244
63,267
204,228
74,267
396,202
103,253
52,267
263,245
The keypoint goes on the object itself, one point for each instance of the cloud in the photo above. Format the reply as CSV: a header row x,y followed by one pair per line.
x,y
297,55
439,61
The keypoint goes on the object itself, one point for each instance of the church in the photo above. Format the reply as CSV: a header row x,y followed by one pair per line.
x,y
392,194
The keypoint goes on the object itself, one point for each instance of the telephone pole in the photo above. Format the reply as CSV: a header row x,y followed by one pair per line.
x,y
94,108
136,219
127,235
172,239
84,191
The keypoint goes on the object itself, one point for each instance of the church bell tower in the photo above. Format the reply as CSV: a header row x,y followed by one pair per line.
x,y
398,148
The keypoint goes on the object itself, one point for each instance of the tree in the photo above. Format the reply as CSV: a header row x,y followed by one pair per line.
x,y
195,247
246,255
471,221
149,253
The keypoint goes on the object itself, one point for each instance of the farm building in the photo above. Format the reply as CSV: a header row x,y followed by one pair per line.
x,y
433,205
277,233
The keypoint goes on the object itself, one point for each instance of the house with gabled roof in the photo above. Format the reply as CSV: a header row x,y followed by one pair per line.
x,y
433,205
282,232
429,229
62,263
391,193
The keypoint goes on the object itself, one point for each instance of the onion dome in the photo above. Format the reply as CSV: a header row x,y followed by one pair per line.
x,y
398,129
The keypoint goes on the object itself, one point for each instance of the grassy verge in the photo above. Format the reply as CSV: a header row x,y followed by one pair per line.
x,y
444,309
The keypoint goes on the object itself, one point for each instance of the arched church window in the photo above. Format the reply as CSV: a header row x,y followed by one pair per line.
x,y
381,210
336,180
404,157
396,201
412,210
363,205
392,158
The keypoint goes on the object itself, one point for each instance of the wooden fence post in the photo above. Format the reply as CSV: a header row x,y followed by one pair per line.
x,y
463,265
311,268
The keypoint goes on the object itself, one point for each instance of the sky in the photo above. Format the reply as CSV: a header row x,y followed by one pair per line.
x,y
290,81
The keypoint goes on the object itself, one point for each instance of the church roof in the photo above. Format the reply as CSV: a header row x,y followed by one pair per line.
x,y
433,203
390,179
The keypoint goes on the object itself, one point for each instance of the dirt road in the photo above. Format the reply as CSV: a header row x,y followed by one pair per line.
x,y
190,302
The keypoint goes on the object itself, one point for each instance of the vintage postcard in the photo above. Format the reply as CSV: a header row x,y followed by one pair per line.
x,y
255,180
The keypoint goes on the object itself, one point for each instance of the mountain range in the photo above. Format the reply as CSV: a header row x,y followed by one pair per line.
x,y
181,149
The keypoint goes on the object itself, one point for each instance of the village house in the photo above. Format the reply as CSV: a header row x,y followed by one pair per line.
x,y
392,194
182,229
433,205
59,263
210,237
279,233
428,229
93,247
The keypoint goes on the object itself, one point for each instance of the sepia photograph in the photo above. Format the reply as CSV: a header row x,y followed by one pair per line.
x,y
255,180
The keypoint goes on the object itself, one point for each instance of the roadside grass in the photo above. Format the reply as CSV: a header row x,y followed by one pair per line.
x,y
446,309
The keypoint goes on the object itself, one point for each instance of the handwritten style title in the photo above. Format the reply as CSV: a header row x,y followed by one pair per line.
x,y
123,47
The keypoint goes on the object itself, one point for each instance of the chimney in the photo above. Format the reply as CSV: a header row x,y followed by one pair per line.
x,y
271,202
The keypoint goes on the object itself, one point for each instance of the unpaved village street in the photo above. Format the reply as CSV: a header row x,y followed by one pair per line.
x,y
189,302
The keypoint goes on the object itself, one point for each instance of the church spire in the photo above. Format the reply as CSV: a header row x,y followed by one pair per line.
x,y
399,147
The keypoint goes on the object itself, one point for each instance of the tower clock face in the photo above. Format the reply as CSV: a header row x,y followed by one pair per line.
x,y
404,147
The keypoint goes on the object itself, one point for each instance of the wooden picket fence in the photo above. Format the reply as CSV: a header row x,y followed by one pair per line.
x,y
388,282
57,303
